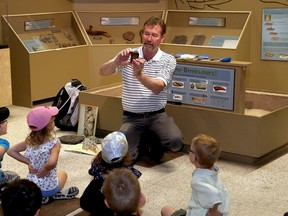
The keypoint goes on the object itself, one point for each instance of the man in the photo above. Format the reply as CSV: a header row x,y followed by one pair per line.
x,y
144,89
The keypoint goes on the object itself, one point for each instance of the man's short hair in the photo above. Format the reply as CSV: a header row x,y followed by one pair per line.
x,y
122,191
21,198
207,149
153,21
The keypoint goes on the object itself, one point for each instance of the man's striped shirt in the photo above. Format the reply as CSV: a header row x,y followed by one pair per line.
x,y
136,97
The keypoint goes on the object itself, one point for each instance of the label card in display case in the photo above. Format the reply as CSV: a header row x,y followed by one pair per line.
x,y
38,24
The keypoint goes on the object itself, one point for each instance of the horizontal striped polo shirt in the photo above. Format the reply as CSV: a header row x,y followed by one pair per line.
x,y
136,97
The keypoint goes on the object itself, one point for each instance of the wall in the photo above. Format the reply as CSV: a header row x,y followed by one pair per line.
x,y
270,76
5,80
128,6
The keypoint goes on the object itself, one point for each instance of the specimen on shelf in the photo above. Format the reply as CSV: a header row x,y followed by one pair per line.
x,y
92,32
129,36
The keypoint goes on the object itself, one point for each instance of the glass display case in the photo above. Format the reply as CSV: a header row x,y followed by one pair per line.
x,y
110,27
47,50
216,33
109,32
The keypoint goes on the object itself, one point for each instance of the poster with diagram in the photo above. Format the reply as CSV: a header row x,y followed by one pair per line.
x,y
275,34
211,87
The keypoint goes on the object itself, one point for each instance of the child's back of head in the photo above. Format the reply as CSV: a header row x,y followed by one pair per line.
x,y
122,191
21,198
207,150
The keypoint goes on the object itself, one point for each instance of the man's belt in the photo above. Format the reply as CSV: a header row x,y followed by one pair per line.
x,y
143,114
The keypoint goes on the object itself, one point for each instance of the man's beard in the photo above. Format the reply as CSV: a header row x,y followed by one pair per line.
x,y
150,46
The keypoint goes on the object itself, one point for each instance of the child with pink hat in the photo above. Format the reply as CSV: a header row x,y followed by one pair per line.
x,y
41,152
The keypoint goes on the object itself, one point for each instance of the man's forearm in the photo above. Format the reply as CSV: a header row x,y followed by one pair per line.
x,y
108,68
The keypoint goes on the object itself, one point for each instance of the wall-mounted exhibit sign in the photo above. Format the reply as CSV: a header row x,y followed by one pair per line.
x,y
119,21
202,86
274,34
207,21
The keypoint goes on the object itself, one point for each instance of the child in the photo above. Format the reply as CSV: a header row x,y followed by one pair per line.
x,y
5,176
114,154
209,195
21,198
122,192
41,155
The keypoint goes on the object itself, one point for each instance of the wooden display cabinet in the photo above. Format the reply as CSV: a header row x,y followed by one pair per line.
x,y
216,33
47,50
247,137
112,24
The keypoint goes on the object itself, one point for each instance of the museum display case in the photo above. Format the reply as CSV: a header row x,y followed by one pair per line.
x,y
109,32
47,50
216,33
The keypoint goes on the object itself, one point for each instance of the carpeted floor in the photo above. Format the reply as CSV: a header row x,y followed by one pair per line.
x,y
72,207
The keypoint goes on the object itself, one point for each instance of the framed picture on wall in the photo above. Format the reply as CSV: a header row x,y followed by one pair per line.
x,y
87,120
274,34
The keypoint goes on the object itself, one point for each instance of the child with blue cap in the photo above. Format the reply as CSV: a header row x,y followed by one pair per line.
x,y
114,154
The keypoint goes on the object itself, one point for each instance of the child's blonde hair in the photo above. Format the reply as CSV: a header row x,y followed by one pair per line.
x,y
36,138
207,149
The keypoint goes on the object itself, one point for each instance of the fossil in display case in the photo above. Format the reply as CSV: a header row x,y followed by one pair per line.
x,y
94,33
63,45
45,38
68,35
129,36
179,39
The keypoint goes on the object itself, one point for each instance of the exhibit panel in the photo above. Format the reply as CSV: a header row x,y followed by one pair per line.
x,y
109,32
210,84
47,51
216,33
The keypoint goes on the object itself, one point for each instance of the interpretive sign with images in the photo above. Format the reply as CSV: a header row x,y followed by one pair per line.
x,y
275,34
211,87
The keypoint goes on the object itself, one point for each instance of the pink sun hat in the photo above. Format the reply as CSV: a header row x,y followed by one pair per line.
x,y
39,117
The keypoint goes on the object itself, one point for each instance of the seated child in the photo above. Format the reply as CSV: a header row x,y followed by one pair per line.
x,y
114,154
209,195
21,198
41,152
122,192
5,176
